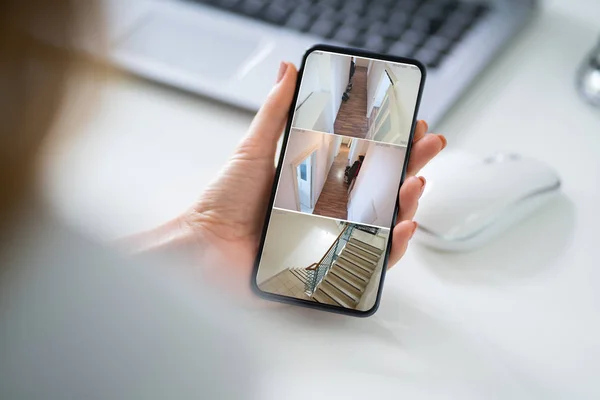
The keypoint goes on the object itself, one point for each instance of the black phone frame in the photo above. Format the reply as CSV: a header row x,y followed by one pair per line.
x,y
352,52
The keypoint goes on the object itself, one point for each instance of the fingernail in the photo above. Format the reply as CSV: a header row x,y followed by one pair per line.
x,y
423,183
282,68
444,141
415,226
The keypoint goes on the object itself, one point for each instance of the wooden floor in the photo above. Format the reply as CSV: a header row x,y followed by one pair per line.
x,y
333,201
352,118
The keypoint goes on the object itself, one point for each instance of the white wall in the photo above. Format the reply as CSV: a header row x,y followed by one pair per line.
x,y
310,78
315,113
299,143
358,147
407,81
295,241
315,96
373,198
335,149
326,77
340,72
373,80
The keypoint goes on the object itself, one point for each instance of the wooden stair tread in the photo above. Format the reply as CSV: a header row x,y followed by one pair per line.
x,y
344,287
364,251
337,295
351,279
358,263
352,269
371,248
321,297
359,256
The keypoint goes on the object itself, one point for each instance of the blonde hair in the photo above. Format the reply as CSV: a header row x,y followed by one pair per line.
x,y
36,42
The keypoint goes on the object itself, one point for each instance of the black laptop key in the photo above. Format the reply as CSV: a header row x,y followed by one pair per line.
x,y
252,7
407,5
353,5
398,17
471,9
299,20
482,10
413,37
377,13
435,24
283,4
428,57
335,4
375,43
276,14
454,27
390,31
347,34
430,10
324,28
401,49
439,44
419,24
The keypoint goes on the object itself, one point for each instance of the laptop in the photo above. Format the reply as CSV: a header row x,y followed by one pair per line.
x,y
230,49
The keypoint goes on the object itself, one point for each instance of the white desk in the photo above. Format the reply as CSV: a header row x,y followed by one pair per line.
x,y
517,319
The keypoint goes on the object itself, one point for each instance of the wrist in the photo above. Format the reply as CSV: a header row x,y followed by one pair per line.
x,y
172,237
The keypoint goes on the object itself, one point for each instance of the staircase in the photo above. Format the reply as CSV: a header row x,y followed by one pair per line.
x,y
302,274
346,281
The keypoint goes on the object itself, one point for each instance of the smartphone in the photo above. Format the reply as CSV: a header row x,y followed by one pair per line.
x,y
327,232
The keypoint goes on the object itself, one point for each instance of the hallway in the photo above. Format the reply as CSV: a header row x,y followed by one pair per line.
x,y
352,116
333,201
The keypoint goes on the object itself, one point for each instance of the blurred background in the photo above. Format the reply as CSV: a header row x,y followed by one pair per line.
x,y
516,76
192,73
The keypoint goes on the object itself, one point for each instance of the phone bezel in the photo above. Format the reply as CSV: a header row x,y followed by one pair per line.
x,y
311,304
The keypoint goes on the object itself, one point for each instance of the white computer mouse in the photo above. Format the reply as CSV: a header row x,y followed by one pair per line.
x,y
469,200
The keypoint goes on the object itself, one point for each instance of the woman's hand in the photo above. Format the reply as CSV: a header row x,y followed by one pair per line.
x,y
224,227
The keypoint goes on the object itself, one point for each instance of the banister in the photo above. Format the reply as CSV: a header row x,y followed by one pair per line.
x,y
318,271
333,244
312,267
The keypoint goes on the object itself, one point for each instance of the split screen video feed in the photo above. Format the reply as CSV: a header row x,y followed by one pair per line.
x,y
336,194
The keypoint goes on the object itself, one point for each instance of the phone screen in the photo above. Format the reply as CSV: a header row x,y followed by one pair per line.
x,y
336,191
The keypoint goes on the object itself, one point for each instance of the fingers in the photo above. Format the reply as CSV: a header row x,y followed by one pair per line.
x,y
269,122
423,151
410,193
420,131
425,148
403,232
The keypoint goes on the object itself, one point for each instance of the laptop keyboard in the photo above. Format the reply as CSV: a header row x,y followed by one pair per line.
x,y
427,30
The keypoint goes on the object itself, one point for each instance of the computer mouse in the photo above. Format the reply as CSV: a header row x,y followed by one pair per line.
x,y
470,200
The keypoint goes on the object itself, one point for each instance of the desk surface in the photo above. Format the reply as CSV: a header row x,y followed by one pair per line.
x,y
519,318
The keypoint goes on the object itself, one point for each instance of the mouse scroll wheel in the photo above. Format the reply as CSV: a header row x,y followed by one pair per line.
x,y
502,157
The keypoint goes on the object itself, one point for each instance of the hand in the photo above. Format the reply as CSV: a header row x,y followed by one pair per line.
x,y
224,227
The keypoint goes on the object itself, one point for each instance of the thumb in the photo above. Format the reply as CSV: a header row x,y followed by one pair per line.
x,y
269,122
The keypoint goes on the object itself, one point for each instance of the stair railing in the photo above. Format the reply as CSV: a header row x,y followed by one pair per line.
x,y
318,271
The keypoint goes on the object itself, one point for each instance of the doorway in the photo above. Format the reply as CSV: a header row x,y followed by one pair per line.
x,y
304,171
386,126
